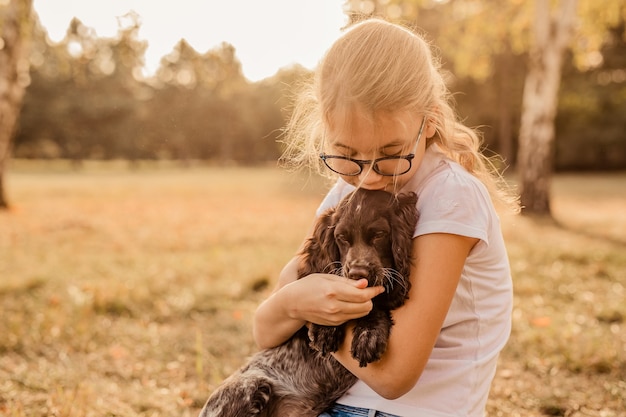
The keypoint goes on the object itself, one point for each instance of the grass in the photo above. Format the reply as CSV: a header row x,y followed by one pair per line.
x,y
131,293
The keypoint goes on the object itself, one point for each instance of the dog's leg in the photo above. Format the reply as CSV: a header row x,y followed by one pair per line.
x,y
326,339
247,395
370,336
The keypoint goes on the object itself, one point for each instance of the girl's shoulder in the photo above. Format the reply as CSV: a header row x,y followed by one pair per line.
x,y
440,175
451,200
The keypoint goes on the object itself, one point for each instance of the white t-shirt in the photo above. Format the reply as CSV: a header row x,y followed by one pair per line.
x,y
458,375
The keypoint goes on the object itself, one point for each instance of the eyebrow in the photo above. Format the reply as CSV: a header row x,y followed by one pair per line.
x,y
392,144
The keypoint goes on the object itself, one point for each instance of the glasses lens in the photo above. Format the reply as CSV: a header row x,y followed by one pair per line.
x,y
343,166
393,166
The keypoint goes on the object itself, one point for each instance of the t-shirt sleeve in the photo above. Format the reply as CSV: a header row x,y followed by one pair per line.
x,y
454,202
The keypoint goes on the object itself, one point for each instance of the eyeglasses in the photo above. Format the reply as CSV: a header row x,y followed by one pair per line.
x,y
388,166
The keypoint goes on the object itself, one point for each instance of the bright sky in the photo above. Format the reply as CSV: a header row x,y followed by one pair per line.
x,y
267,34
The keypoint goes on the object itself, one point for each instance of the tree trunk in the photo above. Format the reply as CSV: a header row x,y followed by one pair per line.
x,y
15,29
541,87
505,131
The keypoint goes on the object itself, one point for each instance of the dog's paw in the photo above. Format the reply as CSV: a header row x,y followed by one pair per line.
x,y
326,339
368,344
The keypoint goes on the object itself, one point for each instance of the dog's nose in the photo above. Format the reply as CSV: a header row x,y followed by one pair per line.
x,y
357,272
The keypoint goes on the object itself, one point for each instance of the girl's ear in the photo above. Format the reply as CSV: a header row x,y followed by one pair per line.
x,y
430,129
433,119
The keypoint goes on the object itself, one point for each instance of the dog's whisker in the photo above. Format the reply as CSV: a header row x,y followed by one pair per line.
x,y
334,268
344,271
337,271
393,277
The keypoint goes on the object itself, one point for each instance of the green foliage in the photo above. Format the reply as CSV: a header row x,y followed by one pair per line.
x,y
590,126
88,99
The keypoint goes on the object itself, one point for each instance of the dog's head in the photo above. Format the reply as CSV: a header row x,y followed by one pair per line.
x,y
368,235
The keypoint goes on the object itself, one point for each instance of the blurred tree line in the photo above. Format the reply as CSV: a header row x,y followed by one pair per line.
x,y
88,99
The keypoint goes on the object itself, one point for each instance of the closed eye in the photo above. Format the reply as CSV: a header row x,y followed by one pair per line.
x,y
341,238
379,235
392,150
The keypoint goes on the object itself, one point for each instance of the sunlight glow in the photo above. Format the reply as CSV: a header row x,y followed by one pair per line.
x,y
267,35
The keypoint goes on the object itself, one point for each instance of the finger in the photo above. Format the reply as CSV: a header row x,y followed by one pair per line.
x,y
360,295
356,310
350,311
361,283
368,293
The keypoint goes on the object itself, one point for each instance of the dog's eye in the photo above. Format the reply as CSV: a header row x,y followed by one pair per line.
x,y
379,235
341,238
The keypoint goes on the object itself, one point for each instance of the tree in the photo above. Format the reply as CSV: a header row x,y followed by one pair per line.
x,y
91,91
15,27
552,35
209,84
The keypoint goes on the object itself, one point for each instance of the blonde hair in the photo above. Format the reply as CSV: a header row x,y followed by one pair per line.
x,y
384,67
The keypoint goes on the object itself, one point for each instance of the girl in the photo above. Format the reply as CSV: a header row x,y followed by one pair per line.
x,y
378,116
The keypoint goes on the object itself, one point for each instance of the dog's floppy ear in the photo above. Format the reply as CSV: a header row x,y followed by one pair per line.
x,y
403,226
320,252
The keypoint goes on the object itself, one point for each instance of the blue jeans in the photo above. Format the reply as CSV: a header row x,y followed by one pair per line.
x,y
340,410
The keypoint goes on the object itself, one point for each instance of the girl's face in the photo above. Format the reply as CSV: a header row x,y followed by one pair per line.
x,y
387,134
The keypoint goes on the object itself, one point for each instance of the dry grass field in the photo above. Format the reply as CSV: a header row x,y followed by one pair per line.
x,y
130,293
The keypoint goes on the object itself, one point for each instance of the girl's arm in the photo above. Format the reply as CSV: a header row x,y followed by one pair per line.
x,y
436,271
318,298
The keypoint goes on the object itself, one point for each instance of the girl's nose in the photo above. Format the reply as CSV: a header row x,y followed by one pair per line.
x,y
368,177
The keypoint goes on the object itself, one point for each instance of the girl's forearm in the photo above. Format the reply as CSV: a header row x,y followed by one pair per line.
x,y
274,323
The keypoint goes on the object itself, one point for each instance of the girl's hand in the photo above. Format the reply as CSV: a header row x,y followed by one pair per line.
x,y
323,299
329,300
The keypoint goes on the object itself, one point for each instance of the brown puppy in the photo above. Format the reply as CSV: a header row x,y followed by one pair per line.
x,y
368,235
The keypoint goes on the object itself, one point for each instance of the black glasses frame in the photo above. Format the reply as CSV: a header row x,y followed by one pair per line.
x,y
361,163
374,162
